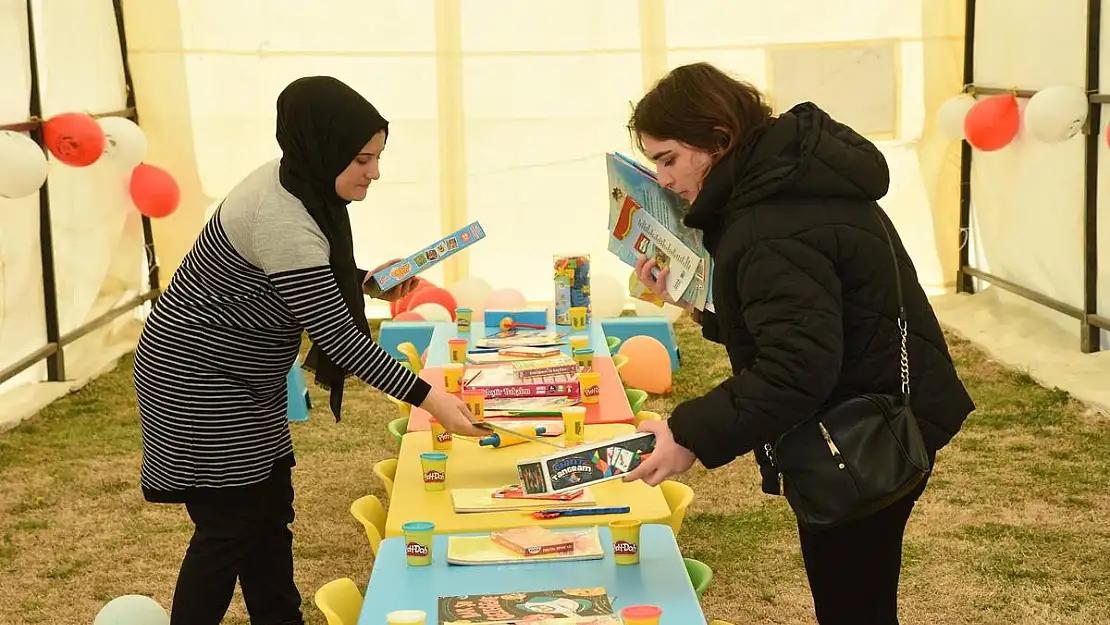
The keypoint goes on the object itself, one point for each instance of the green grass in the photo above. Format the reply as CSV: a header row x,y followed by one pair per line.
x,y
1012,528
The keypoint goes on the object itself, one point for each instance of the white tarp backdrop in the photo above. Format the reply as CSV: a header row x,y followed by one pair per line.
x,y
98,244
1027,199
501,111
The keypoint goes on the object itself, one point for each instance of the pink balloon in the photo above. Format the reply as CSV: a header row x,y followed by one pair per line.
x,y
649,365
506,299
408,315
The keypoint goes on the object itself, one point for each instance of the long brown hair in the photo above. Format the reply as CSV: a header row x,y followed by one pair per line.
x,y
701,106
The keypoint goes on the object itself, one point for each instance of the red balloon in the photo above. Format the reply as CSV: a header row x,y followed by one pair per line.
x,y
75,139
993,122
401,305
434,295
408,316
154,191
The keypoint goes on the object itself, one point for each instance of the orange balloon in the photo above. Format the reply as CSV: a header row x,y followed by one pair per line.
x,y
434,295
399,306
649,365
75,139
993,122
154,191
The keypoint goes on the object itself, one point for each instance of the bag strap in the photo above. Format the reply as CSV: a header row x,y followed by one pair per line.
x,y
904,361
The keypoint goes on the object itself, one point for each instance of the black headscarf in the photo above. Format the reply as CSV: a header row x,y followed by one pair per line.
x,y
322,124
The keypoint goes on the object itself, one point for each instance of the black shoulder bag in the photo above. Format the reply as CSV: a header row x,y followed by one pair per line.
x,y
858,456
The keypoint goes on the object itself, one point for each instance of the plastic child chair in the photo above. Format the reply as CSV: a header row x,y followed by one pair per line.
x,y
646,415
398,427
701,576
403,408
612,343
636,399
370,512
409,350
340,600
678,496
619,361
716,622
386,470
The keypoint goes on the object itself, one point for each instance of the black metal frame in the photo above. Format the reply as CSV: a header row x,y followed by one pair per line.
x,y
1087,315
53,351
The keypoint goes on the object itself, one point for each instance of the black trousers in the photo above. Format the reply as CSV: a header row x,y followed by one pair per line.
x,y
853,569
242,534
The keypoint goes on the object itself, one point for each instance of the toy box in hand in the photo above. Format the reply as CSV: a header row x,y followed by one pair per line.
x,y
447,246
589,463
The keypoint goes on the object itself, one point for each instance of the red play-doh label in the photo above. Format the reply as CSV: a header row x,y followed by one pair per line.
x,y
416,550
591,391
625,548
443,437
434,476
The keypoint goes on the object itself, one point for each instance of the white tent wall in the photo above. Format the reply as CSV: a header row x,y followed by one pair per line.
x,y
98,248
1027,202
502,111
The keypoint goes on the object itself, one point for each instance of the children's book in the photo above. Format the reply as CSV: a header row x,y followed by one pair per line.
x,y
645,218
429,257
582,604
520,338
479,500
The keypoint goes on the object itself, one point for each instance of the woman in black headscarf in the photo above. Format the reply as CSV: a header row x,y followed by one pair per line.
x,y
275,260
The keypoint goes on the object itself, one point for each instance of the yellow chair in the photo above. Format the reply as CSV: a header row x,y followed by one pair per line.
x,y
647,415
340,600
416,363
398,427
403,407
678,496
713,622
370,512
619,360
386,470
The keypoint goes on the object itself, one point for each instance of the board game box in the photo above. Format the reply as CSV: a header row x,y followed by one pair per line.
x,y
590,463
447,246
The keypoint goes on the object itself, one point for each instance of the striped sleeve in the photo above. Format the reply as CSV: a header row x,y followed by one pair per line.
x,y
313,297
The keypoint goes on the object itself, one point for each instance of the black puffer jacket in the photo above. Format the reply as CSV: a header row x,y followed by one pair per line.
x,y
804,293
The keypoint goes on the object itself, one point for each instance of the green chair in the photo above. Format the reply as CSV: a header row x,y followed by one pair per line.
x,y
636,399
398,427
613,342
701,576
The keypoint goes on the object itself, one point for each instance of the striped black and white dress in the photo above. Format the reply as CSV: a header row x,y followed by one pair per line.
x,y
211,365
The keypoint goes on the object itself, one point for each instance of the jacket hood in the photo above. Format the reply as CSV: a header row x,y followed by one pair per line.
x,y
802,154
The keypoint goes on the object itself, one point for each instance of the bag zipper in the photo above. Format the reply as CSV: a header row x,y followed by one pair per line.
x,y
770,453
832,446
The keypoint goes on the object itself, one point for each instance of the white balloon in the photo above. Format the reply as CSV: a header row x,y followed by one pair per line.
x,y
132,610
22,165
1056,114
951,114
124,142
607,296
432,312
647,309
471,293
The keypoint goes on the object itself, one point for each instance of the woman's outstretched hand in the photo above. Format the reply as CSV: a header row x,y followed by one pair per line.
x,y
452,413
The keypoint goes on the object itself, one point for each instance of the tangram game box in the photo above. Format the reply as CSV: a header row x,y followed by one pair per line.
x,y
447,246
590,463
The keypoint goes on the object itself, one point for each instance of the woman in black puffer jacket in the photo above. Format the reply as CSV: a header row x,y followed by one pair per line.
x,y
805,301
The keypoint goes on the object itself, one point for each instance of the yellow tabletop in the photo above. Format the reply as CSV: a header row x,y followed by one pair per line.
x,y
472,466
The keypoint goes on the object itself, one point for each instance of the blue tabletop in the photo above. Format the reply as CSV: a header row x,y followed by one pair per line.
x,y
660,579
439,355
